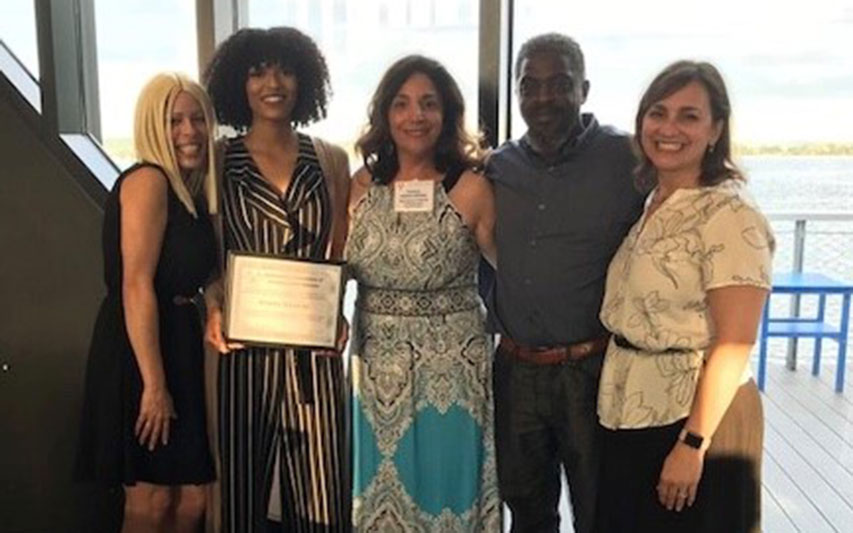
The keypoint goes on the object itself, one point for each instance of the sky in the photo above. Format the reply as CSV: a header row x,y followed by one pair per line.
x,y
789,66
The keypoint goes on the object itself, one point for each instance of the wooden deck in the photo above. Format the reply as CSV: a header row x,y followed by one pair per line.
x,y
808,447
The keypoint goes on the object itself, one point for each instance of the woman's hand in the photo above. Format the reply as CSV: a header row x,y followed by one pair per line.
x,y
156,412
213,333
680,477
735,312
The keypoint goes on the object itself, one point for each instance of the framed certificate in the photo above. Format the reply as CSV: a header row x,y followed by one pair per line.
x,y
273,301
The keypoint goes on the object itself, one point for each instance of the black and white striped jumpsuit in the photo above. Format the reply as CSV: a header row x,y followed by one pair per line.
x,y
273,403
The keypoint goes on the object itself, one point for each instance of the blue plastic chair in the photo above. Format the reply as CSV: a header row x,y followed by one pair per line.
x,y
817,328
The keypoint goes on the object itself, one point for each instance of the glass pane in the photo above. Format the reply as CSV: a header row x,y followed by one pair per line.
x,y
17,73
88,151
361,38
788,69
18,31
137,39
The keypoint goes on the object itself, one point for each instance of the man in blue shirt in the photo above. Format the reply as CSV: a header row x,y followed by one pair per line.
x,y
565,199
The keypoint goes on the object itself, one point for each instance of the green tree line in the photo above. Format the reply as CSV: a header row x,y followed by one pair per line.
x,y
795,149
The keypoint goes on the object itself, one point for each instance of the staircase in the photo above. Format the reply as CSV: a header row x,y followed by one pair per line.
x,y
52,190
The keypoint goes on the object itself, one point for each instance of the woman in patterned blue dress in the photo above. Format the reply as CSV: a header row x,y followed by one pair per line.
x,y
421,362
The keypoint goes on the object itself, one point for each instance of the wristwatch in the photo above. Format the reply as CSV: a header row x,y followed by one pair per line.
x,y
694,440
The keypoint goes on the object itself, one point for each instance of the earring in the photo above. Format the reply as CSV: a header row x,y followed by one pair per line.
x,y
711,148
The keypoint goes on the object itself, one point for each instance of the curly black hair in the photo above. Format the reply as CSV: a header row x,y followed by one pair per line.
x,y
455,150
249,48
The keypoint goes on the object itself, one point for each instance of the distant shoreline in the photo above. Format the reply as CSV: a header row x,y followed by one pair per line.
x,y
818,149
122,148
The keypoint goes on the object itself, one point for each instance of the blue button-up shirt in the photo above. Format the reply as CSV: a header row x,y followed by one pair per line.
x,y
558,225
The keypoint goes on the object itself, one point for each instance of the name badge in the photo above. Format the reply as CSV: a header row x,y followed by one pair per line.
x,y
414,196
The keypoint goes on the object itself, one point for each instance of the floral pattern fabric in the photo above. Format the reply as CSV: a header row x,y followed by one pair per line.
x,y
656,298
423,434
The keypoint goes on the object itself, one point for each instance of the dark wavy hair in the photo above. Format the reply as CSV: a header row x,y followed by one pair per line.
x,y
717,164
456,149
226,74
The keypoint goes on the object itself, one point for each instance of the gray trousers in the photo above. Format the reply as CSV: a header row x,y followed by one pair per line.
x,y
545,417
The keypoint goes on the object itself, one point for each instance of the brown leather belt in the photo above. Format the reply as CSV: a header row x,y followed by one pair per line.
x,y
554,355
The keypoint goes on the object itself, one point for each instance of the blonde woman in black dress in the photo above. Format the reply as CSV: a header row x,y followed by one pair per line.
x,y
143,422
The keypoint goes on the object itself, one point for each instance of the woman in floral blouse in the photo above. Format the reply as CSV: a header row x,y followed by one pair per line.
x,y
682,418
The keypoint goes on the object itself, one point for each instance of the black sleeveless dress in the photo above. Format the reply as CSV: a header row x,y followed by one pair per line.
x,y
109,452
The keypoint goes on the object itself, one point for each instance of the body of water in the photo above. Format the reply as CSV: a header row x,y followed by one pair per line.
x,y
804,185
801,183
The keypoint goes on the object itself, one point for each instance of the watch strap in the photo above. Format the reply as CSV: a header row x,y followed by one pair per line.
x,y
694,440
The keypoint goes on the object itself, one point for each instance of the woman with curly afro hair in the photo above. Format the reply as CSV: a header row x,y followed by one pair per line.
x,y
282,439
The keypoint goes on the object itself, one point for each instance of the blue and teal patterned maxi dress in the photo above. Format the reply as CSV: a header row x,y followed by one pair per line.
x,y
423,440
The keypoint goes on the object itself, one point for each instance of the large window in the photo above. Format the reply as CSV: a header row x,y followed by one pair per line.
x,y
789,69
18,31
361,38
137,39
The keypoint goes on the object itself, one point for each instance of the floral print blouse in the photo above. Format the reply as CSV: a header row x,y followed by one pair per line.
x,y
656,298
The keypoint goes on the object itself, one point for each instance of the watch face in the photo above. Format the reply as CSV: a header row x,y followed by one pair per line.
x,y
693,440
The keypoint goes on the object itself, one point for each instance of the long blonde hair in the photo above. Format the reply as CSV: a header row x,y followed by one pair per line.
x,y
152,137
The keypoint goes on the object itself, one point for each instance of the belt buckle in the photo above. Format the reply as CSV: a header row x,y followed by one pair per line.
x,y
556,354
